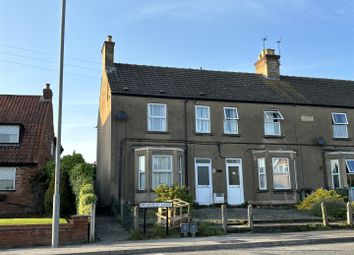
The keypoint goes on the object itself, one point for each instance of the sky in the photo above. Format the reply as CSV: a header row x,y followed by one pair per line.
x,y
317,40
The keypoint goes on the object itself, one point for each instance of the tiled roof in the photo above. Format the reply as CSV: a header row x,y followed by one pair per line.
x,y
156,81
31,113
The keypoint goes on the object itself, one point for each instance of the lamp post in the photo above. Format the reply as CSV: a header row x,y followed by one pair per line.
x,y
56,196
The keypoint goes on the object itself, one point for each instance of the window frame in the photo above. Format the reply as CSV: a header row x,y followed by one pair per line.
x,y
14,180
232,119
205,119
161,171
180,170
141,170
149,116
335,174
347,165
287,159
337,124
273,121
264,173
18,133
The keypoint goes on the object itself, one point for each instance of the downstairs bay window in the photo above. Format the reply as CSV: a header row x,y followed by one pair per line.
x,y
281,173
161,170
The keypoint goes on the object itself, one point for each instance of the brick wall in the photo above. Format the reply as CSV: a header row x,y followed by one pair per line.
x,y
76,231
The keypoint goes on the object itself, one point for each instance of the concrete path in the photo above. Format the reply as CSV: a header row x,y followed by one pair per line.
x,y
108,229
231,241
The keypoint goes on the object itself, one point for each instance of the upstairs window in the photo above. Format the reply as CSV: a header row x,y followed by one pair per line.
x,y
281,174
7,178
9,134
157,117
202,119
272,122
161,170
340,125
230,120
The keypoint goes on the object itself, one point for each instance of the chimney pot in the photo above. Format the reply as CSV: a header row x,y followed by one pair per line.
x,y
109,38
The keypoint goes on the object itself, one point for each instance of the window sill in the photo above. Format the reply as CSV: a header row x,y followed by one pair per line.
x,y
282,191
7,190
10,144
274,136
158,132
342,139
204,134
232,135
140,191
262,191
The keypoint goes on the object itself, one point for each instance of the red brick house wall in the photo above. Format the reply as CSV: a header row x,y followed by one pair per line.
x,y
34,114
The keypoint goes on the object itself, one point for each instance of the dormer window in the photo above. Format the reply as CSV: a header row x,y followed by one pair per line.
x,y
272,122
9,134
340,125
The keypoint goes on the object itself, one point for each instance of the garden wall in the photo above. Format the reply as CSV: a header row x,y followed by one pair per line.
x,y
75,231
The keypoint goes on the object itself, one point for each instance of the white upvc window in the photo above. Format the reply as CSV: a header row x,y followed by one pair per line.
x,y
9,133
262,176
180,171
161,170
202,119
141,173
230,120
336,182
340,125
350,165
272,122
157,117
281,173
7,178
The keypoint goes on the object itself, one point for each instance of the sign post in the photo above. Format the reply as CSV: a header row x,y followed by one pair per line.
x,y
147,205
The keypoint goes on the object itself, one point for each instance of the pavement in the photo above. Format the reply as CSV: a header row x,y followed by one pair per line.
x,y
108,229
227,242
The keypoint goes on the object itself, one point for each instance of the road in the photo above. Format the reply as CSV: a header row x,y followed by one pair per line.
x,y
316,249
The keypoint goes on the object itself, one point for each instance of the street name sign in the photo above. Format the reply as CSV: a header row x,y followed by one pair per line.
x,y
156,205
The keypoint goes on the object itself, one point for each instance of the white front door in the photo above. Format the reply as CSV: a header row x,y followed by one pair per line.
x,y
203,181
234,181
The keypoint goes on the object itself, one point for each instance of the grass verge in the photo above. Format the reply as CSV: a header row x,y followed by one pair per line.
x,y
26,221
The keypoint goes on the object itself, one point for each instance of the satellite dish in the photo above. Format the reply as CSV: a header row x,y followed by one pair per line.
x,y
321,140
121,115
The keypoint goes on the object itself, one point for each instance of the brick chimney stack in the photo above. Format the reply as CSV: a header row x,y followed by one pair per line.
x,y
108,54
268,64
47,92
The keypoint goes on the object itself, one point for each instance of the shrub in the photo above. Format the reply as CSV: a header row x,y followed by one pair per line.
x,y
86,200
319,196
135,234
164,193
67,198
206,229
334,208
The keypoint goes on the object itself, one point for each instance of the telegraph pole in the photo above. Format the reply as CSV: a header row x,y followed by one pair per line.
x,y
56,196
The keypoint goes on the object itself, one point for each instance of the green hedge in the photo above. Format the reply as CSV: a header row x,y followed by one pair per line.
x,y
76,185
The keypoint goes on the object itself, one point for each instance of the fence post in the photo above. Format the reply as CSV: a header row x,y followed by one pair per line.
x,y
224,218
324,215
92,222
250,217
121,210
136,217
349,214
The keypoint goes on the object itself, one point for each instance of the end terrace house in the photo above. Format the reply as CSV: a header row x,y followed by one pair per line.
x,y
232,137
26,144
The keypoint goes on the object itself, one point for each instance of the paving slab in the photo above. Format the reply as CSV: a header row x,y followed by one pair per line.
x,y
108,229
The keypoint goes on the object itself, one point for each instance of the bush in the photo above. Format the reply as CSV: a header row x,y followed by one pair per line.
x,y
206,229
86,200
136,234
334,208
319,196
67,198
164,193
